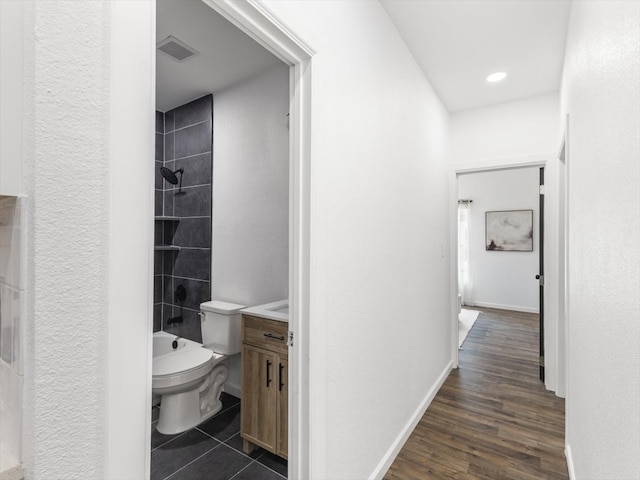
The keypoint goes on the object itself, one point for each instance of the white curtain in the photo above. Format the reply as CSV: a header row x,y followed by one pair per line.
x,y
464,272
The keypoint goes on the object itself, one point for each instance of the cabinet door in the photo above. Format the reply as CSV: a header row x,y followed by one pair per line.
x,y
259,396
283,407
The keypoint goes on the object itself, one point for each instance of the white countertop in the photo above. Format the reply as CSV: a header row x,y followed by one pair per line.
x,y
278,311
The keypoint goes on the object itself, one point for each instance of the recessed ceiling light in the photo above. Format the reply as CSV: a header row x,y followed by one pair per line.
x,y
496,77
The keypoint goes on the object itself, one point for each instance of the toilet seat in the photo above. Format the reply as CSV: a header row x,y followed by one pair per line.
x,y
182,368
181,361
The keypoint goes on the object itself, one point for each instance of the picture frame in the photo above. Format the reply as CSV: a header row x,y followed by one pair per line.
x,y
509,230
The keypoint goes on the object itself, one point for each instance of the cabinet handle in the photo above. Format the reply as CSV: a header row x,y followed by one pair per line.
x,y
268,379
271,335
280,384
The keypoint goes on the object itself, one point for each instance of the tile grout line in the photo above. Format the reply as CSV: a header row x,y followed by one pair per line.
x,y
187,126
194,460
242,469
188,157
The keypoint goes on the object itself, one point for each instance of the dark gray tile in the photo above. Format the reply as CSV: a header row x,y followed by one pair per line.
x,y
168,260
157,318
158,231
158,175
169,146
167,313
182,450
157,438
228,400
168,231
221,463
190,326
168,291
197,169
155,414
193,140
194,112
235,442
157,289
169,121
159,122
168,203
157,262
198,291
192,202
158,202
194,264
224,425
159,147
274,463
193,232
255,471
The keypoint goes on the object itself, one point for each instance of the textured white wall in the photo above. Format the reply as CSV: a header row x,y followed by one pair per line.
x,y
67,186
513,129
88,130
601,93
502,279
380,310
250,255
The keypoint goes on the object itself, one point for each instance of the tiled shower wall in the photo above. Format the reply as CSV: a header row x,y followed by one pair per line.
x,y
12,294
184,139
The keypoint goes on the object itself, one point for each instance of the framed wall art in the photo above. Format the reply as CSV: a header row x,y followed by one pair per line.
x,y
509,231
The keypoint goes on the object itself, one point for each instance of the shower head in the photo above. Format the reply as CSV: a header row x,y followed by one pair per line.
x,y
171,177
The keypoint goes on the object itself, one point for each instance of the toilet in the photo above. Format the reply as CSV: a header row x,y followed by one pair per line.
x,y
189,378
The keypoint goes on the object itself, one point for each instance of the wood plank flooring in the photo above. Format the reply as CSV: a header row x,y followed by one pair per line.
x,y
492,418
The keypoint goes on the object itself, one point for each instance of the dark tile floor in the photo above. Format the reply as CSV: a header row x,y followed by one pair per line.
x,y
211,451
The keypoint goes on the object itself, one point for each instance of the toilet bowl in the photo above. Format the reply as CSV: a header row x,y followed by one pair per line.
x,y
189,376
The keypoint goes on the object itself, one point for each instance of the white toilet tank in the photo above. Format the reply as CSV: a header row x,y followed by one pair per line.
x,y
221,325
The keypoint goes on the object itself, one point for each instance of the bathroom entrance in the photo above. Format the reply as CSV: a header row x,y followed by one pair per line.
x,y
225,226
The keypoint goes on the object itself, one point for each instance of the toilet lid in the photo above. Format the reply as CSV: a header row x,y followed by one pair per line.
x,y
176,362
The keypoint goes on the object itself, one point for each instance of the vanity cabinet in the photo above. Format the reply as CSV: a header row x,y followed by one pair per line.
x,y
264,412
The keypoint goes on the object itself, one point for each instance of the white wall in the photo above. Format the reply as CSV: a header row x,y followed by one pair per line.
x,y
11,68
251,190
522,128
601,93
380,311
89,114
250,255
502,279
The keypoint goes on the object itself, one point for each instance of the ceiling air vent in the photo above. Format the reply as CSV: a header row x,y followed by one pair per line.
x,y
176,49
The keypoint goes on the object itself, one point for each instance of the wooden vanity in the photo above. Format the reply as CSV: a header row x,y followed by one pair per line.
x,y
264,413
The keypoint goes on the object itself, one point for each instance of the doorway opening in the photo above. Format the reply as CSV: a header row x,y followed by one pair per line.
x,y
259,26
500,245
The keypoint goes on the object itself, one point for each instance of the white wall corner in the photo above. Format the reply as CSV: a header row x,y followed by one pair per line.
x,y
407,430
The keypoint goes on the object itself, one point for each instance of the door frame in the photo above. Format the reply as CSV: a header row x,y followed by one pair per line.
x,y
266,28
550,162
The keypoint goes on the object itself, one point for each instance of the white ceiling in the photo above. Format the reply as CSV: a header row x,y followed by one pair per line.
x,y
226,55
457,43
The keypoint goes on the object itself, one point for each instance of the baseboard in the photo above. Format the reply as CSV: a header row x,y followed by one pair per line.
x,y
514,308
567,454
399,442
230,388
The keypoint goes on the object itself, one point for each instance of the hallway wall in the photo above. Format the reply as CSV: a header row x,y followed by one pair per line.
x,y
380,290
502,279
601,93
521,128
